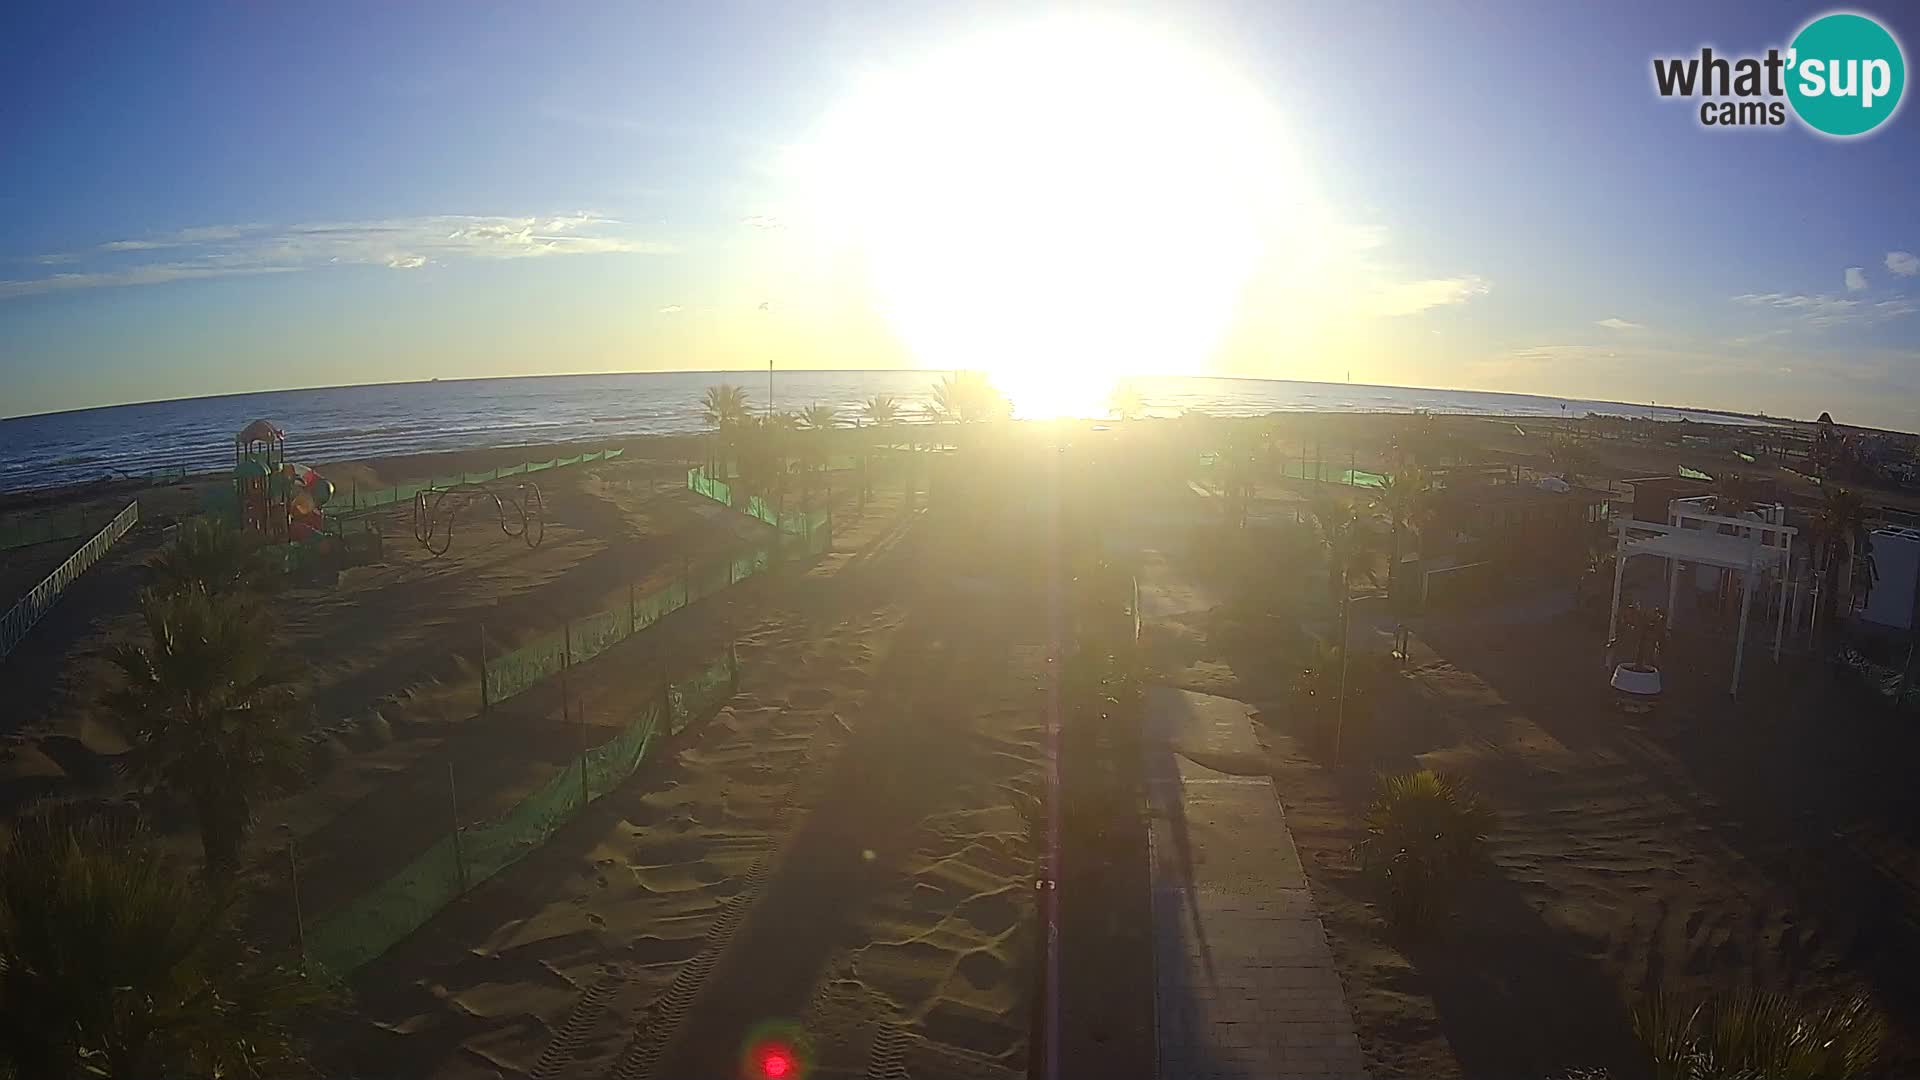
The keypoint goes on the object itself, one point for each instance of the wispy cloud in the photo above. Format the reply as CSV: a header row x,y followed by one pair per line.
x,y
1617,323
1821,311
1904,263
1856,278
671,309
1394,298
394,243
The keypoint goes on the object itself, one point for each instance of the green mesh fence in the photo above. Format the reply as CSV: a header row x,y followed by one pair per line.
x,y
594,634
543,658
378,919
793,522
516,671
357,498
28,532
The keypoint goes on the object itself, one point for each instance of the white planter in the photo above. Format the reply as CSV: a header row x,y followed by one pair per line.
x,y
1643,682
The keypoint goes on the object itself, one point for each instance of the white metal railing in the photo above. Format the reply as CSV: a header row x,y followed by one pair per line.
x,y
21,617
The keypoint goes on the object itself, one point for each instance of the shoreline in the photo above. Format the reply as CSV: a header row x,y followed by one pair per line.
x,y
933,372
435,460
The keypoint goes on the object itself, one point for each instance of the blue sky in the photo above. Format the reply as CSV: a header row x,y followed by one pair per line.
x,y
219,198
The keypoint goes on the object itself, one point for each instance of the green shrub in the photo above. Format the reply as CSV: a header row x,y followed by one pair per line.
x,y
1750,1035
1425,832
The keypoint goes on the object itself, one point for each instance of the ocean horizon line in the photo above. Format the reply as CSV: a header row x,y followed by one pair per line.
x,y
524,376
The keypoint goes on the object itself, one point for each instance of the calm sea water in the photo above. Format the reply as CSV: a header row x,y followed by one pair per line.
x,y
363,421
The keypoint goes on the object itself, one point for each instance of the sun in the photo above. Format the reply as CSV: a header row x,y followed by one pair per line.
x,y
1057,203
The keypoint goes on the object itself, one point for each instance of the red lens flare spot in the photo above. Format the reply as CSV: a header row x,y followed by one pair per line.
x,y
776,1063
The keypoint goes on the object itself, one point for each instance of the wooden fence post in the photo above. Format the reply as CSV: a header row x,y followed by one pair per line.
x,y
453,808
566,665
486,698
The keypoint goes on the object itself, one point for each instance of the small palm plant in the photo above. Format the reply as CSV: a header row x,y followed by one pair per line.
x,y
1425,833
206,706
114,965
1751,1035
1126,403
208,555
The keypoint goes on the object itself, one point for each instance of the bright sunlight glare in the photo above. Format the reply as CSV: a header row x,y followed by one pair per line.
x,y
1058,204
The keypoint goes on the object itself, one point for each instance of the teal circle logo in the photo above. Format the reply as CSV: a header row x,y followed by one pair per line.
x,y
1845,73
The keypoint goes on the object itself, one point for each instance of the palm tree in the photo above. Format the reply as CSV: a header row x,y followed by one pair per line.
x,y
1839,525
1402,494
209,555
967,396
1352,550
114,965
1235,460
206,706
881,410
758,459
1573,459
724,407
1125,402
818,420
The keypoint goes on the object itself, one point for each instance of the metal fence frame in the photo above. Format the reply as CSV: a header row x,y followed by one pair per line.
x,y
28,610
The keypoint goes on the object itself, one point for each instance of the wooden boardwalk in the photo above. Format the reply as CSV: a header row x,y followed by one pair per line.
x,y
1244,980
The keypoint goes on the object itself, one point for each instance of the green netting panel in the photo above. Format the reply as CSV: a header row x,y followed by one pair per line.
x,y
490,849
705,690
648,610
751,563
594,634
27,533
381,917
516,671
609,764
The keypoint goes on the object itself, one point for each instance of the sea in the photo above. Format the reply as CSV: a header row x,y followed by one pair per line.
x,y
347,422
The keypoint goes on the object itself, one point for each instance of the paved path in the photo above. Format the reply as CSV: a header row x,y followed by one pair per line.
x,y
1244,981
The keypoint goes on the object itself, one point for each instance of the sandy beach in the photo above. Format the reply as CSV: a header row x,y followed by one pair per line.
x,y
835,859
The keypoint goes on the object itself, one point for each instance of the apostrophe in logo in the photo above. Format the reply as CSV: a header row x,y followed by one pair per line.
x,y
1845,74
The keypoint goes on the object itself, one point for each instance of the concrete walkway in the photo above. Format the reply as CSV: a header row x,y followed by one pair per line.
x,y
1244,981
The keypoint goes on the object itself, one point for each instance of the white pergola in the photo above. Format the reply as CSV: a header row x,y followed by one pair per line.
x,y
1697,536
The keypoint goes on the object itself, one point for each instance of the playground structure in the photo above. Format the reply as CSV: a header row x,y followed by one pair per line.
x,y
276,499
521,514
285,505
